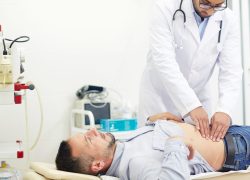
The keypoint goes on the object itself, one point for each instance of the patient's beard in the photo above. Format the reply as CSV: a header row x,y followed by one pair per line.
x,y
112,142
108,151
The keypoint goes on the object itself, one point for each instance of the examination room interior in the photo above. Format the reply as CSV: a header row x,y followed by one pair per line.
x,y
78,42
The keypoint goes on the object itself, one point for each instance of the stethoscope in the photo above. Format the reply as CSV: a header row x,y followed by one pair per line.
x,y
219,46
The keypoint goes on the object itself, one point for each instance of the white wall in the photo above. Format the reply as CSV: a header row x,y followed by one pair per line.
x,y
245,30
241,9
74,43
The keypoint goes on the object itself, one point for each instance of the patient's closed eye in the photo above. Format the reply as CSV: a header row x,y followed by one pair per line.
x,y
88,140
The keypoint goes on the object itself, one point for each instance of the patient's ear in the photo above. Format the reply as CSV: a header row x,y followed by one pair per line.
x,y
97,165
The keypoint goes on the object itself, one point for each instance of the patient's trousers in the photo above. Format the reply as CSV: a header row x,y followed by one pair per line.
x,y
237,147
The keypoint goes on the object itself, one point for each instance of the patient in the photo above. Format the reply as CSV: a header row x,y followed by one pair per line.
x,y
161,150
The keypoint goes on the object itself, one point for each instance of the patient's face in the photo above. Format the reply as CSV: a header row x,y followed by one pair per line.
x,y
93,143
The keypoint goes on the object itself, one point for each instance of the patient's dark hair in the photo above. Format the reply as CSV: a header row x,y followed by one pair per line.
x,y
66,162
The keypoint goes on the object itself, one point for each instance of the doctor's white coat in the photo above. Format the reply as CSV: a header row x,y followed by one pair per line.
x,y
176,80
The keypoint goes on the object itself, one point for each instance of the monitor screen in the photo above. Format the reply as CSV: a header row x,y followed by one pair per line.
x,y
99,110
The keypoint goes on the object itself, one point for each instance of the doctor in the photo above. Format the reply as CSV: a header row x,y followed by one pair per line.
x,y
188,39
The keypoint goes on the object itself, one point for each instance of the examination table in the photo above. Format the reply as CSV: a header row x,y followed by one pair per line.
x,y
45,171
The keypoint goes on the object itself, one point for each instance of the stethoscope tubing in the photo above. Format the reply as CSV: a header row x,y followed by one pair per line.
x,y
184,21
180,10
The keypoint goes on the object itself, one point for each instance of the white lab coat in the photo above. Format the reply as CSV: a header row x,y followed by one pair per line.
x,y
176,80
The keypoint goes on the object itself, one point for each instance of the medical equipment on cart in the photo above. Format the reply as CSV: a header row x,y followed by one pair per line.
x,y
203,6
96,104
10,150
13,92
93,101
11,70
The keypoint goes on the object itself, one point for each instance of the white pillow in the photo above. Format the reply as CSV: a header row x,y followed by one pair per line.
x,y
49,171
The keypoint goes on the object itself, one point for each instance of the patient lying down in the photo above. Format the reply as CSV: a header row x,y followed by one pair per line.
x,y
161,150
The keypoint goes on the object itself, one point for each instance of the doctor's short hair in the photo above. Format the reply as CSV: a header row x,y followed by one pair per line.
x,y
66,162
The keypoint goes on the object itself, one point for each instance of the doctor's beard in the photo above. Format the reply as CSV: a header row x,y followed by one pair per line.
x,y
202,13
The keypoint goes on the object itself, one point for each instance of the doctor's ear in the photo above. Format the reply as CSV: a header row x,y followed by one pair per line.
x,y
97,166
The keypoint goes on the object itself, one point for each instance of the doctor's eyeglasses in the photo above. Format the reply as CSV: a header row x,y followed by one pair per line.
x,y
204,4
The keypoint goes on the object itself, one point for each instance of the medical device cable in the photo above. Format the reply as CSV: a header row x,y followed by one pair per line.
x,y
4,45
41,121
122,100
118,104
4,48
26,128
27,125
17,40
120,107
96,97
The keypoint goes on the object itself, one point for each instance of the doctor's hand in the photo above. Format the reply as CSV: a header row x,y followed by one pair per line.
x,y
220,123
200,118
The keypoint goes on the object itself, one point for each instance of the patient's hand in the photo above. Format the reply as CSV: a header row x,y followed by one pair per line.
x,y
166,116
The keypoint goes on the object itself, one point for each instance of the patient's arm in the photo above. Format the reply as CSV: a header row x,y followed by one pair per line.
x,y
187,142
212,152
173,166
166,116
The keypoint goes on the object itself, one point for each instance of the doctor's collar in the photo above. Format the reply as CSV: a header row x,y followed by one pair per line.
x,y
199,18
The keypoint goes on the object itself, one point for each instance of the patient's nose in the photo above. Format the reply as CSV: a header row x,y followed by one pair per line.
x,y
93,132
